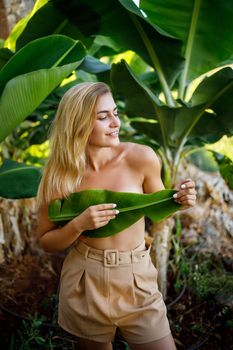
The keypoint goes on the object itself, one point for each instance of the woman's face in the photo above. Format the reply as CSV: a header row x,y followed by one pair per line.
x,y
107,124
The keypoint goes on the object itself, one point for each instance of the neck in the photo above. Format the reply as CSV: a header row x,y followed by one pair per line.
x,y
98,157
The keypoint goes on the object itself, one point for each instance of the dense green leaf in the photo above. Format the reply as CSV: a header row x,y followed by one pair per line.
x,y
5,55
18,180
25,92
110,19
211,111
20,26
139,99
31,74
132,206
205,28
225,165
52,51
204,160
48,20
92,65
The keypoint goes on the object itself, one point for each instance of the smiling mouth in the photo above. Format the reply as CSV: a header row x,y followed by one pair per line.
x,y
115,133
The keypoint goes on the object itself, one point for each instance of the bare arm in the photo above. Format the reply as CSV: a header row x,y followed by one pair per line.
x,y
152,171
186,195
53,238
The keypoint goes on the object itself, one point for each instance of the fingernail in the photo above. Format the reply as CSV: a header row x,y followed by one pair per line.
x,y
114,205
175,195
182,186
117,211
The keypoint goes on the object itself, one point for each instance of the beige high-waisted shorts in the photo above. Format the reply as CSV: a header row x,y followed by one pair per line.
x,y
101,290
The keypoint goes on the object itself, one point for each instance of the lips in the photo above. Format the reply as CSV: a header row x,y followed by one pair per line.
x,y
114,133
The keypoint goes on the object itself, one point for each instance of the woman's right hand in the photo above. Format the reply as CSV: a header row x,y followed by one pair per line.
x,y
95,216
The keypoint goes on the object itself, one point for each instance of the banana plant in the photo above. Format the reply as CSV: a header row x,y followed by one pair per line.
x,y
225,167
18,180
32,73
187,48
131,206
179,45
179,130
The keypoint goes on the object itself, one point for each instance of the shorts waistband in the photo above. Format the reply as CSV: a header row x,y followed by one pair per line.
x,y
114,257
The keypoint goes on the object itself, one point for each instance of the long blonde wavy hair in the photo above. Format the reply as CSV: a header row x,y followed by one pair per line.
x,y
68,139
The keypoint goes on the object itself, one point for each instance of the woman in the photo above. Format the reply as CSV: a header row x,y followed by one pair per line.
x,y
105,282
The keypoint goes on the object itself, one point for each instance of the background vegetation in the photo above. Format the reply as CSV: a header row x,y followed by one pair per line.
x,y
170,69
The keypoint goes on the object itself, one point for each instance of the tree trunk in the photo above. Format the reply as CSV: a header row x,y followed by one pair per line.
x,y
160,248
4,29
18,219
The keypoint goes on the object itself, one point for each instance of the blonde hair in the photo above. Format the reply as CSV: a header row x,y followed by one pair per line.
x,y
68,139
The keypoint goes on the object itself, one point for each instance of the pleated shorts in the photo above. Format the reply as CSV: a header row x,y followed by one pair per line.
x,y
101,290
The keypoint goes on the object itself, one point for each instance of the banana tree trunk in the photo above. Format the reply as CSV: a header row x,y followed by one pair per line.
x,y
4,29
161,248
17,224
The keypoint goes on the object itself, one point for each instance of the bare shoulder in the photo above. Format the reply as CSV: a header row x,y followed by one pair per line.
x,y
140,155
145,162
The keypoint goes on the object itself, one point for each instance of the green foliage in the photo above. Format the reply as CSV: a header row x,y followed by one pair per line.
x,y
204,160
230,324
223,146
35,334
18,180
194,23
31,74
225,167
205,275
132,206
187,114
30,336
206,283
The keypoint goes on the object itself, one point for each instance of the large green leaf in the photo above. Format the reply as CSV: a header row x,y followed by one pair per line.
x,y
48,52
31,74
48,20
111,19
92,65
214,94
225,165
139,99
18,180
206,118
205,28
20,26
5,55
132,206
25,92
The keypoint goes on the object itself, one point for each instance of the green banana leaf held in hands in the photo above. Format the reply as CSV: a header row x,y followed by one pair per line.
x,y
131,206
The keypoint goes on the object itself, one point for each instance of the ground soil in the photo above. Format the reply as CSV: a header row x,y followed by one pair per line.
x,y
28,290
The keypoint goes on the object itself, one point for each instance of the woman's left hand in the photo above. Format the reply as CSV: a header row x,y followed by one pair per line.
x,y
186,195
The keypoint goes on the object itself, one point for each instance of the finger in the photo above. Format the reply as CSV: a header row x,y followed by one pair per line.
x,y
188,204
104,206
186,198
185,192
103,223
104,213
106,218
187,184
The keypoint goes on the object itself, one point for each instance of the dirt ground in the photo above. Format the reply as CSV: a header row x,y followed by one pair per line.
x,y
28,291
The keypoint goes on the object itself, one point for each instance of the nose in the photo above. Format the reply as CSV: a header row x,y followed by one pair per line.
x,y
115,121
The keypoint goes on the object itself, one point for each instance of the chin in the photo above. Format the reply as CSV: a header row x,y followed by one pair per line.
x,y
111,143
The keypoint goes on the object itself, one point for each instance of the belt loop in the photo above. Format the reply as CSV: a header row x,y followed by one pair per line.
x,y
82,248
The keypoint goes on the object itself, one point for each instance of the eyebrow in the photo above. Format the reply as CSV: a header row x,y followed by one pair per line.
x,y
105,111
